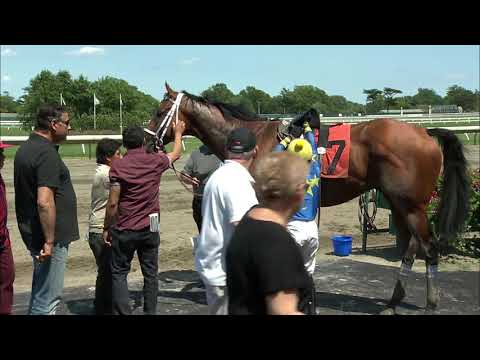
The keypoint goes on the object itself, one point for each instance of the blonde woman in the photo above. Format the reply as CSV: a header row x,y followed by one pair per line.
x,y
265,268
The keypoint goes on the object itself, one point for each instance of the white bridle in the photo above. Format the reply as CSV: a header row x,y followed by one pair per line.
x,y
168,119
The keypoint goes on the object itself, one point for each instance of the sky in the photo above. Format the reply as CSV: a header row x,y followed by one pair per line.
x,y
339,70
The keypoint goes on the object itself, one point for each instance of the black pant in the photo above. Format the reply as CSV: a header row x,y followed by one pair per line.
x,y
124,244
197,211
103,285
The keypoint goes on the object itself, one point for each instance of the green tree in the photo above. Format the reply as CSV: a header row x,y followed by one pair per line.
x,y
375,100
244,104
286,101
321,107
388,94
405,102
8,104
372,94
457,95
257,99
354,108
82,101
108,89
220,93
427,97
43,89
278,105
304,96
338,104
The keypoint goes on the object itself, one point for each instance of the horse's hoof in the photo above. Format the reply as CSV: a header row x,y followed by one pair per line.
x,y
388,311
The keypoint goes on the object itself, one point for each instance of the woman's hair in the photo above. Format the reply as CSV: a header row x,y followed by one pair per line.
x,y
278,175
106,148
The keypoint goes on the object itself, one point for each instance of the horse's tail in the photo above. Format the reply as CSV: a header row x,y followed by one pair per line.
x,y
455,195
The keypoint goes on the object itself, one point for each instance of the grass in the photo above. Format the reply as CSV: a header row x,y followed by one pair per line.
x,y
470,140
76,150
443,124
13,131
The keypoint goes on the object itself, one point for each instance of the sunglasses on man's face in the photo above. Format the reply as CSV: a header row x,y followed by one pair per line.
x,y
66,123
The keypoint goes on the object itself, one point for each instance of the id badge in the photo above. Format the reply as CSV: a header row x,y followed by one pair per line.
x,y
154,224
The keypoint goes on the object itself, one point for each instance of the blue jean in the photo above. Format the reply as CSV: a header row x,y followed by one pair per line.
x,y
47,282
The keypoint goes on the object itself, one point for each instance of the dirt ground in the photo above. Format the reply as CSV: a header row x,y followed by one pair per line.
x,y
177,226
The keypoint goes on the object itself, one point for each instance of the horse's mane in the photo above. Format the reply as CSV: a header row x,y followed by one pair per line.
x,y
311,116
229,111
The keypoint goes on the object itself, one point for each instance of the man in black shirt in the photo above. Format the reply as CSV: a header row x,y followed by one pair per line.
x,y
46,207
265,271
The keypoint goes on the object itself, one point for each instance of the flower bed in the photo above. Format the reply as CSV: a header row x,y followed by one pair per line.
x,y
468,243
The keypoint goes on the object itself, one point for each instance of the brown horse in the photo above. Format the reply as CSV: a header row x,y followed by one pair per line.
x,y
400,159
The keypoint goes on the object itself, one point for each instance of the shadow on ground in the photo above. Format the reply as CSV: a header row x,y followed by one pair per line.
x,y
391,254
344,286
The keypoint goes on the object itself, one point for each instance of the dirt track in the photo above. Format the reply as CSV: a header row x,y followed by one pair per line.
x,y
177,226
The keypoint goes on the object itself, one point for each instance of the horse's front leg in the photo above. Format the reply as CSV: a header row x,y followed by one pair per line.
x,y
401,286
431,262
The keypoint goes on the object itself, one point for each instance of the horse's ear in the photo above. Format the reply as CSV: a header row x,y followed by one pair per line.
x,y
315,119
170,92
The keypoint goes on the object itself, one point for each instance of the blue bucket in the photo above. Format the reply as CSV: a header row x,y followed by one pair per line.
x,y
342,245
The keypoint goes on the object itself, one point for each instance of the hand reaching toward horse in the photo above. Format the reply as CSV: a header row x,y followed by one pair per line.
x,y
189,179
179,127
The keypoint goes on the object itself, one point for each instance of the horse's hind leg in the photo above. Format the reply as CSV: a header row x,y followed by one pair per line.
x,y
430,249
418,224
405,239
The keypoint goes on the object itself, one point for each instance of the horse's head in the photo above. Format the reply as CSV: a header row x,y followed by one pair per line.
x,y
169,110
311,116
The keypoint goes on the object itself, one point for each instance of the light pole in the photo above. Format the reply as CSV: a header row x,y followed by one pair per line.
x,y
258,107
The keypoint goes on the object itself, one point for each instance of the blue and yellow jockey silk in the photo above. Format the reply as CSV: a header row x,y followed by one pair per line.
x,y
308,212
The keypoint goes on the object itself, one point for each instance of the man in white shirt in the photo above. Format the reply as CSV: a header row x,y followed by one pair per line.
x,y
108,151
228,195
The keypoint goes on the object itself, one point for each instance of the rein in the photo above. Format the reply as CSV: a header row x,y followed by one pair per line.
x,y
176,172
159,139
173,111
166,122
281,134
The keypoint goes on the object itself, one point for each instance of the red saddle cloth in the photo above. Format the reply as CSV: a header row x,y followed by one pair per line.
x,y
335,161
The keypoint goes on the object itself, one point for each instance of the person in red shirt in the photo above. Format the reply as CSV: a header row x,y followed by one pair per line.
x,y
7,268
132,216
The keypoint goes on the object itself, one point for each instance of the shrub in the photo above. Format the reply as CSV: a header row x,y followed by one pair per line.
x,y
467,245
